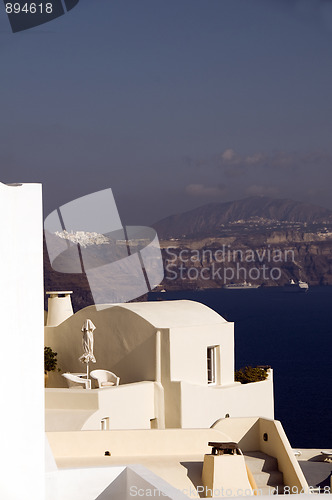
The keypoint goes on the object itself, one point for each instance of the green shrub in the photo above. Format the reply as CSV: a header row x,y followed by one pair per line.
x,y
251,374
50,360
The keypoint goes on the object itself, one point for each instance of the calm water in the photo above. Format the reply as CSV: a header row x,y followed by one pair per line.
x,y
292,332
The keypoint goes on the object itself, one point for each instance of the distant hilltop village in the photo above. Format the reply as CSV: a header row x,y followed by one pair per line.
x,y
83,238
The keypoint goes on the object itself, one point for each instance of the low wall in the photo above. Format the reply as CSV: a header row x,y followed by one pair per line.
x,y
71,399
128,406
133,443
278,446
244,431
203,405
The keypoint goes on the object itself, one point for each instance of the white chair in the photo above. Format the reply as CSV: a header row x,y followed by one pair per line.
x,y
74,381
105,378
327,455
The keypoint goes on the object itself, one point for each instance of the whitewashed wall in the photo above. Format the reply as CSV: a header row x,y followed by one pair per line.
x,y
76,409
22,318
188,352
202,406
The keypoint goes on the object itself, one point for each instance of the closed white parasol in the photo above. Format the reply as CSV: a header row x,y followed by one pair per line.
x,y
87,342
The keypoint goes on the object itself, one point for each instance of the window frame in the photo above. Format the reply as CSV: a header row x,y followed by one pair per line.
x,y
211,362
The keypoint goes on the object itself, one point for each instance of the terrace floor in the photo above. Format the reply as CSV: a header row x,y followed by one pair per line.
x,y
317,471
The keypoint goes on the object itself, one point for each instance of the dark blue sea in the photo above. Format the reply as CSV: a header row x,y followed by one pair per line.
x,y
291,332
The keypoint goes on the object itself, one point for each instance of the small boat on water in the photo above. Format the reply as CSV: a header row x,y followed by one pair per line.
x,y
293,286
241,286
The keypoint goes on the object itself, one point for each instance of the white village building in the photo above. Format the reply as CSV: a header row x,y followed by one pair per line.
x,y
175,360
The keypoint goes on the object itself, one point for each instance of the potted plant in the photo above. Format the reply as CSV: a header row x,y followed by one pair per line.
x,y
251,374
50,361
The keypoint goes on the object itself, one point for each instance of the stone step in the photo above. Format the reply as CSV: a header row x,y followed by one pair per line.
x,y
258,461
272,478
264,468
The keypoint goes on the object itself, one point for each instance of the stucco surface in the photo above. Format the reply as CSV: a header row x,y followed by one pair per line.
x,y
22,320
174,313
79,409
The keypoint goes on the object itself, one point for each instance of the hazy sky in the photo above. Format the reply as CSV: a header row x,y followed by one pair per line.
x,y
171,103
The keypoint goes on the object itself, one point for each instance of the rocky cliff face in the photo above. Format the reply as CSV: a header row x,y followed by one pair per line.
x,y
268,260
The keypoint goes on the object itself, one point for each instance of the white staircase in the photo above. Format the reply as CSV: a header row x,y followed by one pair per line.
x,y
264,468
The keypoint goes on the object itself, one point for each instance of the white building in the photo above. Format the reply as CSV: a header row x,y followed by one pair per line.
x,y
22,317
175,360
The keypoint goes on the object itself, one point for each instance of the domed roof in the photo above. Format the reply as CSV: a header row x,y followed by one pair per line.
x,y
172,313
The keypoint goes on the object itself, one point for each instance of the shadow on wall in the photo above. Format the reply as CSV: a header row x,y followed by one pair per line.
x,y
194,472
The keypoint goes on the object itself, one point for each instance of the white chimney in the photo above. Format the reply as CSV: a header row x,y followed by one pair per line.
x,y
59,307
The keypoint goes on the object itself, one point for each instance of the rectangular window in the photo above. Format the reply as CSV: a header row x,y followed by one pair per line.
x,y
211,364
